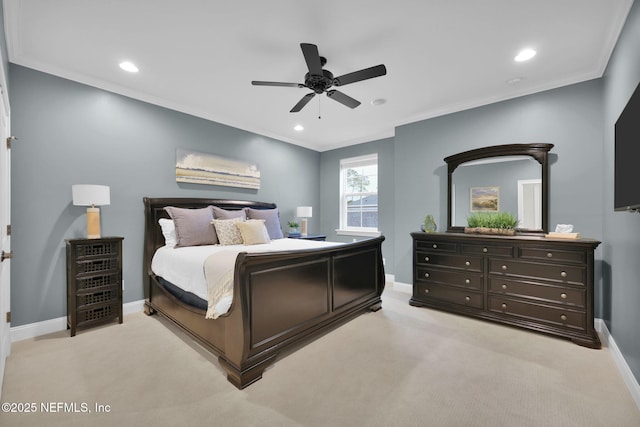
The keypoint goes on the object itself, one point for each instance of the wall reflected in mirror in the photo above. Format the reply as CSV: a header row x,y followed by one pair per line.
x,y
507,184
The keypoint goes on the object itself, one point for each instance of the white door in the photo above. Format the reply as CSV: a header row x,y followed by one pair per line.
x,y
5,216
530,204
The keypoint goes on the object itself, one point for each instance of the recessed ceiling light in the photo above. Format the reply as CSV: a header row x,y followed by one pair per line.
x,y
299,128
378,101
128,66
525,55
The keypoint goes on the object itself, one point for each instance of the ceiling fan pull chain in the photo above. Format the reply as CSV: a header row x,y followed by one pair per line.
x,y
319,115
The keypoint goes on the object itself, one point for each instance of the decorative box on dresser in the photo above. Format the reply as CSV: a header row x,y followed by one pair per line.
x,y
530,281
94,282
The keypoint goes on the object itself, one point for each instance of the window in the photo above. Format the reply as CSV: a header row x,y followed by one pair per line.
x,y
359,195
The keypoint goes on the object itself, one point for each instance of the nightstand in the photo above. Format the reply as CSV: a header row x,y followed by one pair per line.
x,y
321,237
94,282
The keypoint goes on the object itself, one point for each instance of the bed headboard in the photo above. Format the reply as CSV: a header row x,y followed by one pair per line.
x,y
154,210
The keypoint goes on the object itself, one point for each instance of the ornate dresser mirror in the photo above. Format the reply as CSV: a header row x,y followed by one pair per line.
x,y
512,178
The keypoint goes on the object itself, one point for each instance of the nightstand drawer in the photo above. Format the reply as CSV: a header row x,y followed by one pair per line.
x,y
97,265
97,249
99,313
94,298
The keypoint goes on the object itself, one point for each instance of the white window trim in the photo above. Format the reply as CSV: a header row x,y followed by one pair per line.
x,y
355,231
358,232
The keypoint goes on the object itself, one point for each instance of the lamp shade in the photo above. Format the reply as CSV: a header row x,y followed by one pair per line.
x,y
90,195
304,211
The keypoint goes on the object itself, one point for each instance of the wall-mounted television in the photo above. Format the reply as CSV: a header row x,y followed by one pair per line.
x,y
627,156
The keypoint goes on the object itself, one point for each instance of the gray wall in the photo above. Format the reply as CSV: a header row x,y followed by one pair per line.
x,y
75,134
621,246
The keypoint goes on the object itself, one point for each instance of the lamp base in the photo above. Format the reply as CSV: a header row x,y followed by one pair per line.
x,y
93,223
303,227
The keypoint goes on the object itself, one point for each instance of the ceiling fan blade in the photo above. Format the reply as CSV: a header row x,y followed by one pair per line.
x,y
259,83
305,99
357,76
311,55
342,98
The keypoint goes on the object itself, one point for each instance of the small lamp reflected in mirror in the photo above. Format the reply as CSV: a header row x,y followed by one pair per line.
x,y
303,212
92,196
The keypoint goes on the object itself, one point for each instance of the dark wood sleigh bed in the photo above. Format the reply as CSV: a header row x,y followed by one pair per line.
x,y
280,299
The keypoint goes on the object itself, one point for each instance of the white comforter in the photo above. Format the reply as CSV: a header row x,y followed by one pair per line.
x,y
185,268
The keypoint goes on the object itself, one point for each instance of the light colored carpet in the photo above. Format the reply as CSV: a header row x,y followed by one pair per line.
x,y
401,366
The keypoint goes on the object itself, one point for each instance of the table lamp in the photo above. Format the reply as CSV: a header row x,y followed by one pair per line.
x,y
92,196
303,212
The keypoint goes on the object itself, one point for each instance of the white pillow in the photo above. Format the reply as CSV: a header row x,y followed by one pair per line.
x,y
168,231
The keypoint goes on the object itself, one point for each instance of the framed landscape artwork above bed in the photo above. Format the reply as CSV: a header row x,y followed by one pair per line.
x,y
204,168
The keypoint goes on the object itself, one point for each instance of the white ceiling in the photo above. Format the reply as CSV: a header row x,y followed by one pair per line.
x,y
199,56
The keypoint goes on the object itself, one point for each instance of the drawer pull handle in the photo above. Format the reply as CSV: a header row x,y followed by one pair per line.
x,y
426,274
467,281
435,246
467,263
426,259
504,286
563,274
504,306
467,299
563,295
549,255
426,291
485,250
563,317
504,267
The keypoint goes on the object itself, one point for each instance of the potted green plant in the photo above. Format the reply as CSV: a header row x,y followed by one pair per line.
x,y
492,223
294,228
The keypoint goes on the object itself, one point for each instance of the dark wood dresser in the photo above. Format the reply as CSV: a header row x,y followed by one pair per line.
x,y
94,282
532,282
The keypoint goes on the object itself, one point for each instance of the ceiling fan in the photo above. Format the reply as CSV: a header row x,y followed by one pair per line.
x,y
320,80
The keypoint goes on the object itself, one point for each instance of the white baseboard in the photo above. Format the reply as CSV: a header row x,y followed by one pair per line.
x,y
403,287
32,330
627,376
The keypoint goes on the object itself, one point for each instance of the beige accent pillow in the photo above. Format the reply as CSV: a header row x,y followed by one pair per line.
x,y
228,233
253,231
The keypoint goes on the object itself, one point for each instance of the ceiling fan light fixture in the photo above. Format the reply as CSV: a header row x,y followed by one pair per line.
x,y
129,66
525,55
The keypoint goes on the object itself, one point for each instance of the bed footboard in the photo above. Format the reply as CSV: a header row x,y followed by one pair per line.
x,y
285,298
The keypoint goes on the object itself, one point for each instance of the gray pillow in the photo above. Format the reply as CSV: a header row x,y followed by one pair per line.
x,y
271,220
219,213
193,226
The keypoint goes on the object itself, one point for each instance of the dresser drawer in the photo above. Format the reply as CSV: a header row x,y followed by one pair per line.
x,y
557,273
427,292
454,278
472,263
433,245
99,313
488,250
538,291
550,254
568,318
